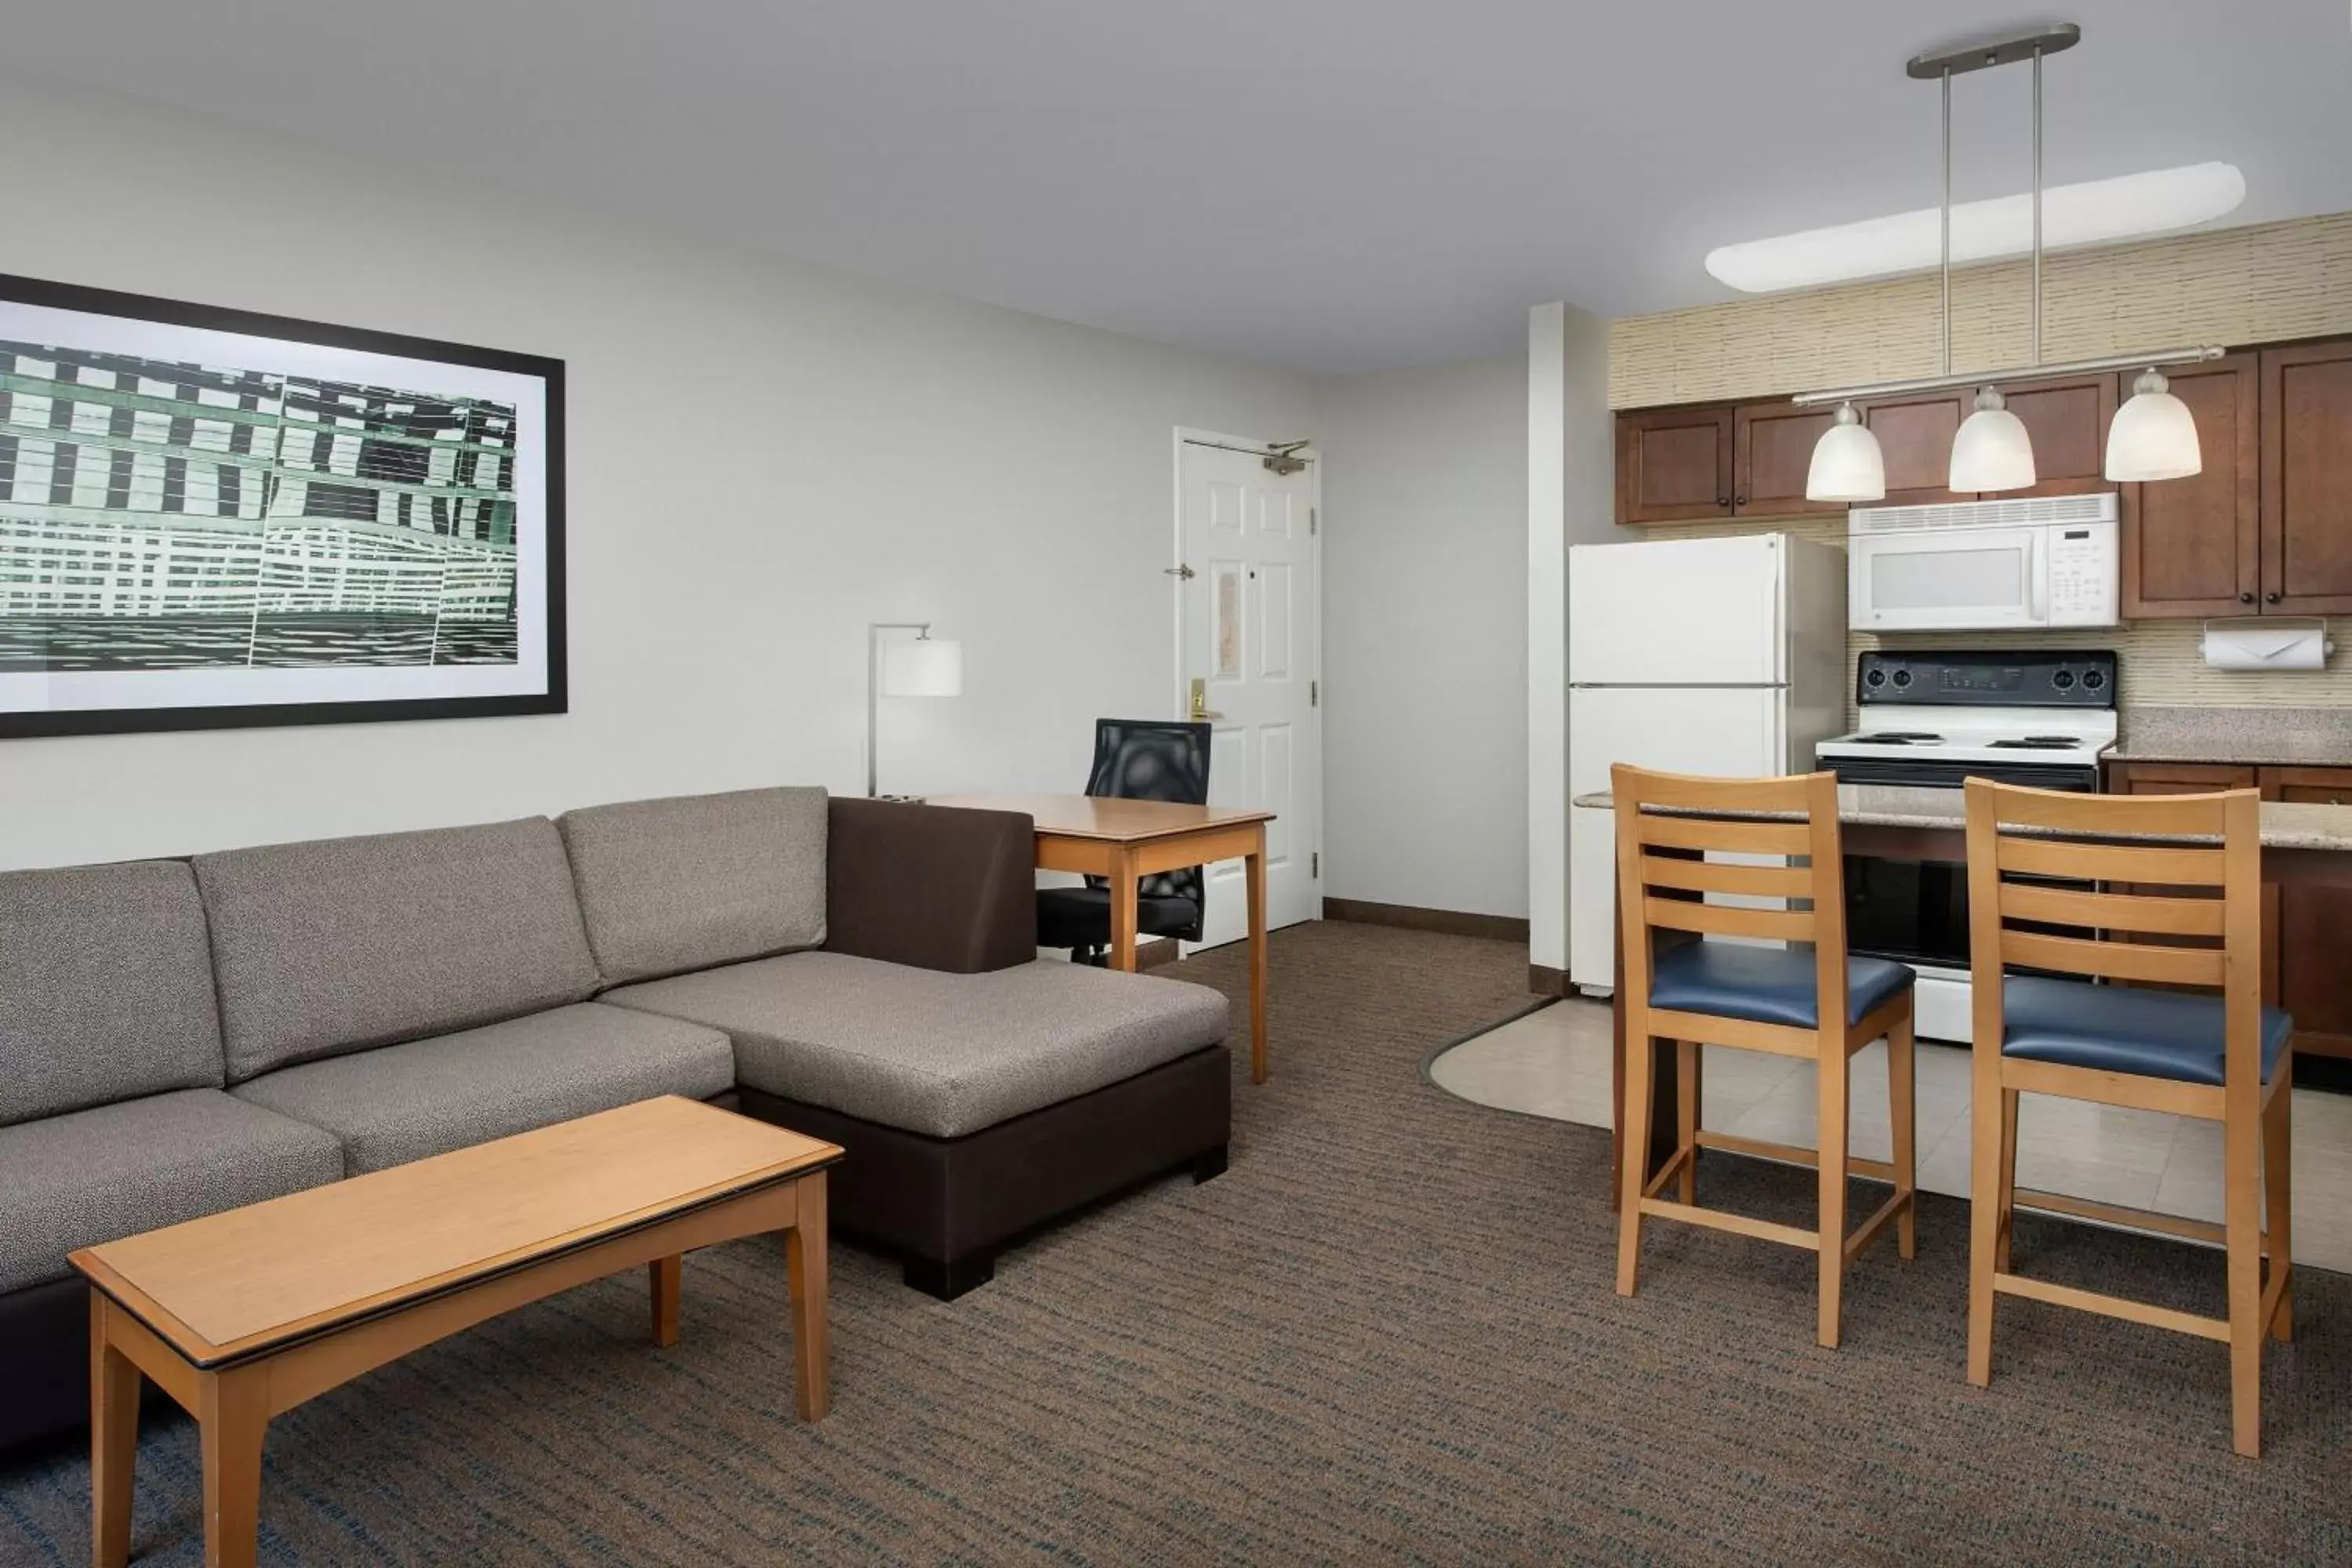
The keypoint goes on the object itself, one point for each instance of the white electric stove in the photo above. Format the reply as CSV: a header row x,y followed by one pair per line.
x,y
2042,718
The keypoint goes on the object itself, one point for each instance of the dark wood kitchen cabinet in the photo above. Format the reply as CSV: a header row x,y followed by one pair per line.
x,y
2309,926
2192,547
1772,447
1675,465
2306,479
1914,438
2204,778
2067,421
2304,968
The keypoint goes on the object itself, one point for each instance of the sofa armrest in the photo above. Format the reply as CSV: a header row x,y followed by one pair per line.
x,y
931,886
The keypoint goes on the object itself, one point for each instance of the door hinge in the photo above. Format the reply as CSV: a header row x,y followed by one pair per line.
x,y
1315,863
1314,694
1313,518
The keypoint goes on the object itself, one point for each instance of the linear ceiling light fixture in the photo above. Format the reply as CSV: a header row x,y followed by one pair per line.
x,y
2095,212
2153,436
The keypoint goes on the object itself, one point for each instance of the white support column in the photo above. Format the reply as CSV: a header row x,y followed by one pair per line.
x,y
1570,500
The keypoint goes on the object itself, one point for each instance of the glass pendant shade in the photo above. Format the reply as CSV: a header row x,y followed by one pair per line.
x,y
1993,451
1847,464
2154,435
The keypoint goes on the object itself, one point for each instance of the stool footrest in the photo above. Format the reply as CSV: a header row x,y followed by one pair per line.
x,y
1871,1227
2107,1306
1737,1224
1764,1149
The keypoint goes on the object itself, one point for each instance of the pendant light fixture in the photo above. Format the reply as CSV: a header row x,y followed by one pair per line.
x,y
2153,437
1847,464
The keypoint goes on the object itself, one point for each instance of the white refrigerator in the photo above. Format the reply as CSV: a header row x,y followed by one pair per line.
x,y
1694,656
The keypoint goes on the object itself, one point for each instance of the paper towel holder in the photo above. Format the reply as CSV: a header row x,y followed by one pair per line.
x,y
2267,645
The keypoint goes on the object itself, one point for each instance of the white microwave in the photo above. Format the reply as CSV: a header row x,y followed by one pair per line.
x,y
1993,565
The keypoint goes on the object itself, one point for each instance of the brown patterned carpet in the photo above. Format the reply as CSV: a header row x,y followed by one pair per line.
x,y
1387,1334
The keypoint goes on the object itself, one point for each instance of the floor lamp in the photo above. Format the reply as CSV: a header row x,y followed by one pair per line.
x,y
920,666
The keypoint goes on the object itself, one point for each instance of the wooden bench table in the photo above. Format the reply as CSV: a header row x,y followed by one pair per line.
x,y
241,1316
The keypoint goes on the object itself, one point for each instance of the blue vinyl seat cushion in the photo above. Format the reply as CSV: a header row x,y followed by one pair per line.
x,y
1767,984
2125,1029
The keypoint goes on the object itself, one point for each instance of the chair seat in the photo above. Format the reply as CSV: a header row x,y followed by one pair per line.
x,y
1080,917
2122,1028
1767,984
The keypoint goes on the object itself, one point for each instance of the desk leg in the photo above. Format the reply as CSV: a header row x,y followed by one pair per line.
x,y
232,1420
1122,910
1254,869
113,1441
666,1274
804,1268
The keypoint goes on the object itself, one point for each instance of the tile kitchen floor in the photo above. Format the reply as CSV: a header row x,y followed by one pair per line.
x,y
1555,1062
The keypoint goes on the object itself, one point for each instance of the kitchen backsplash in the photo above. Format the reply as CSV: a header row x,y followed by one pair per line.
x,y
2163,662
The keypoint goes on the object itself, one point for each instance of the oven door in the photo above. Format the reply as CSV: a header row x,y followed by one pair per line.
x,y
1948,579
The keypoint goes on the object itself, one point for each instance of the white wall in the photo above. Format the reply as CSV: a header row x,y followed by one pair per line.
x,y
764,457
1425,754
1571,489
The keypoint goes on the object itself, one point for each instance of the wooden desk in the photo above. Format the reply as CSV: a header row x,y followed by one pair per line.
x,y
242,1315
1124,841
2304,845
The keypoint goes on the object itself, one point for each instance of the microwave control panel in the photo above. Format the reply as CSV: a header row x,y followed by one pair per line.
x,y
2083,575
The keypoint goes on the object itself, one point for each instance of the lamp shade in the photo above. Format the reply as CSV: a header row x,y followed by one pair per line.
x,y
925,667
1993,451
1847,464
2153,436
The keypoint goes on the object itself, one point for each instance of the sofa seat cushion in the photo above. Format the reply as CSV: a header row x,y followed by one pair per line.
x,y
2125,1029
106,987
942,1055
685,883
345,943
1767,984
117,1170
409,1102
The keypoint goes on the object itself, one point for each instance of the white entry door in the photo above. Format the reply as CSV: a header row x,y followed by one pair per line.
x,y
1249,634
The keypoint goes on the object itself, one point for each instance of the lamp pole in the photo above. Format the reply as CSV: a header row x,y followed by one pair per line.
x,y
873,630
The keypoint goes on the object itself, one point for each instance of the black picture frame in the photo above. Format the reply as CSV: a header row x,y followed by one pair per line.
x,y
553,696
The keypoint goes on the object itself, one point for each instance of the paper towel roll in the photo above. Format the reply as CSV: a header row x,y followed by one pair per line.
x,y
2266,645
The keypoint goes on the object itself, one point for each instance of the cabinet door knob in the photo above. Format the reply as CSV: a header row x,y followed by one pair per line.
x,y
2245,598
2270,598
1723,500
1739,500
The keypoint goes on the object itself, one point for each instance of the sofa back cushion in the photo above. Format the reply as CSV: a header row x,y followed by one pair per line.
x,y
105,988
696,880
337,945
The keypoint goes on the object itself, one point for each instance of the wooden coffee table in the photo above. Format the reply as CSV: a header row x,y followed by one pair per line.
x,y
242,1315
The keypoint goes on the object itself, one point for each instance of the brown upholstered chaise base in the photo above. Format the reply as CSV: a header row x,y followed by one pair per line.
x,y
947,1205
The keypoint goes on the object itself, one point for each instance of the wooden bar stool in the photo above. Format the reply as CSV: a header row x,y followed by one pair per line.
x,y
2227,1058
1817,1003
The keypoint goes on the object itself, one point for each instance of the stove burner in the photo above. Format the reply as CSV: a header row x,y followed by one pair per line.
x,y
2039,743
1897,738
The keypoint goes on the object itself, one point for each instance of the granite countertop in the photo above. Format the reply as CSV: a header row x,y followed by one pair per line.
x,y
2285,825
2273,737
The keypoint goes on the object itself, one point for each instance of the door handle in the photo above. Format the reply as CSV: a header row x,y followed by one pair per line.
x,y
1201,712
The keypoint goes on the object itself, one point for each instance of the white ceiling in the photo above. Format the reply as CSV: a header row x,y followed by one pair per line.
x,y
1327,185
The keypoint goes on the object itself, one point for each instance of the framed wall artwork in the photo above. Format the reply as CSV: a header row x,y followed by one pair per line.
x,y
212,518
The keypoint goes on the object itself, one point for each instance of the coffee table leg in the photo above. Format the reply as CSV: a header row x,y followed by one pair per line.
x,y
232,1418
664,1272
804,1263
114,1385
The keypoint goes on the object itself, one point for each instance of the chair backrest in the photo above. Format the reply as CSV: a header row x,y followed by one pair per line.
x,y
2163,889
1667,825
1154,758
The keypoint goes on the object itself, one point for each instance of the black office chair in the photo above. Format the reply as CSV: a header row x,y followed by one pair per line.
x,y
1135,759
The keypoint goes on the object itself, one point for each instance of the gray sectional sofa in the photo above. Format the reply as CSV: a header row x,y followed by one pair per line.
x,y
180,1037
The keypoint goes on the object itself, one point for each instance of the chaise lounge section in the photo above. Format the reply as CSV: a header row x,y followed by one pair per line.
x,y
178,1038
